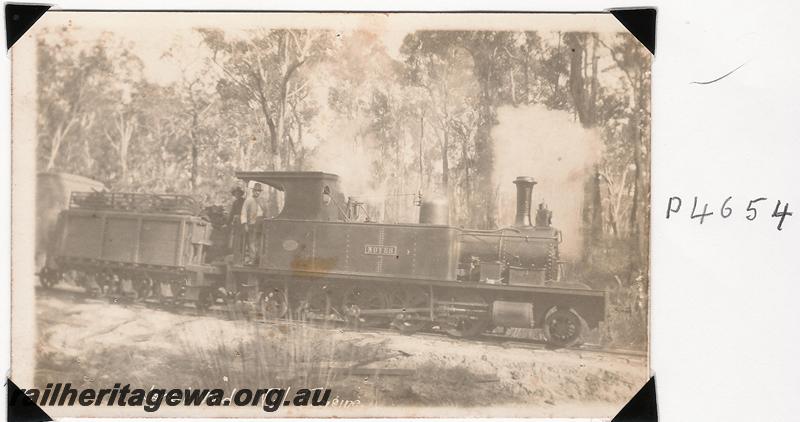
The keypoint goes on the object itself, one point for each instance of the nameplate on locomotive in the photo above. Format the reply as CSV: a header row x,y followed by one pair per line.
x,y
380,250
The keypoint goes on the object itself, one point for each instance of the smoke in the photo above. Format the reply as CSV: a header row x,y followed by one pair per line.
x,y
341,155
557,152
346,152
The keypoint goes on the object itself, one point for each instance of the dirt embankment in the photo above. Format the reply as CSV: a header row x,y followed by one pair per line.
x,y
91,343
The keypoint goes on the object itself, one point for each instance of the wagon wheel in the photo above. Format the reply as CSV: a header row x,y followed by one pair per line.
x,y
45,277
562,327
71,277
204,299
89,282
48,277
143,287
364,298
178,289
168,292
274,303
467,326
127,290
315,305
408,297
100,284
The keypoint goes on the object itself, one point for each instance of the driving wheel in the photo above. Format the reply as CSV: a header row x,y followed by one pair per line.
x,y
409,297
359,300
316,304
562,327
273,303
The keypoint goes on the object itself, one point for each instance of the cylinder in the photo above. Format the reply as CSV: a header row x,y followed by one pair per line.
x,y
434,211
524,191
512,314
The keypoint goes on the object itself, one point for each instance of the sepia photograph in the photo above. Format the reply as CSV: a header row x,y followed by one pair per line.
x,y
330,214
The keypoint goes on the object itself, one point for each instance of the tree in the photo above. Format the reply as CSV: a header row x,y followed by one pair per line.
x,y
634,62
583,82
490,53
83,87
72,80
449,91
264,70
122,125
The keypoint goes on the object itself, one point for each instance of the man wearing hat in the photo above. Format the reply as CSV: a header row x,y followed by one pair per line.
x,y
252,208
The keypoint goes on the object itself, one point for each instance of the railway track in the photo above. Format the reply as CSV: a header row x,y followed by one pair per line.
x,y
222,311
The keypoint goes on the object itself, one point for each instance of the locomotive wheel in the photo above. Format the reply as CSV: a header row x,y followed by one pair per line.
x,y
364,298
274,303
315,305
562,327
408,298
463,326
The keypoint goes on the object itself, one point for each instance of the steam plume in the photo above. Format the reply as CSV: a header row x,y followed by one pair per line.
x,y
558,152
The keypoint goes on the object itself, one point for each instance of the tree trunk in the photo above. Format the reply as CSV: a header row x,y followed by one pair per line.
x,y
513,86
58,139
445,166
195,153
597,208
639,213
590,100
526,78
87,154
556,87
484,207
467,180
272,130
584,107
125,130
421,138
55,145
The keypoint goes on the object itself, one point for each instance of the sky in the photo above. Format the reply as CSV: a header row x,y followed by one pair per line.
x,y
152,33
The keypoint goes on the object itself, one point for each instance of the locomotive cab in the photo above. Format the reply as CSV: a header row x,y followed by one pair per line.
x,y
309,195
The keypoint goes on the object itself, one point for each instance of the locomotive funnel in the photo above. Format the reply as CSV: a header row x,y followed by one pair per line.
x,y
524,190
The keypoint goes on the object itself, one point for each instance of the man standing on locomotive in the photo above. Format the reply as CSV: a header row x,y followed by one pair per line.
x,y
252,209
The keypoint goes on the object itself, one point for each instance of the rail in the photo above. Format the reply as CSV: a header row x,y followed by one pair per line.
x,y
134,202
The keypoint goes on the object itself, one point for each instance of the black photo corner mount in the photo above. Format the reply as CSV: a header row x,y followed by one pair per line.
x,y
20,408
20,18
641,23
643,407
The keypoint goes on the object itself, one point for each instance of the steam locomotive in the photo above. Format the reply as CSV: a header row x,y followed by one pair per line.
x,y
319,260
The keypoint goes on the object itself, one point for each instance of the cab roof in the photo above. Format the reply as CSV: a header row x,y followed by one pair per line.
x,y
280,179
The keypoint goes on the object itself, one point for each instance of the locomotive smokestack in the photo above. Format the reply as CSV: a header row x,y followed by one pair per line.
x,y
524,190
